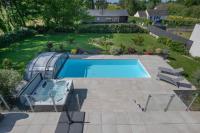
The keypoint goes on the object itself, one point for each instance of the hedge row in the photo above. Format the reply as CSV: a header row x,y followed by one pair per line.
x,y
181,21
15,36
111,28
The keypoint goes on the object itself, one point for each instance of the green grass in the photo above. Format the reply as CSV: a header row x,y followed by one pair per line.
x,y
190,65
150,43
22,52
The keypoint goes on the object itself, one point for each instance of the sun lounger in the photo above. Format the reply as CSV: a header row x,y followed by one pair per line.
x,y
176,72
175,81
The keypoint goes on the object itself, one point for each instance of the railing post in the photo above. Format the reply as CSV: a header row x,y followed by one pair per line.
x,y
147,103
54,104
5,103
78,103
193,100
170,100
29,102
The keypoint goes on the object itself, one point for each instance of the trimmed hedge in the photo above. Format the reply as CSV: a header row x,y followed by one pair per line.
x,y
111,28
15,36
44,29
93,28
181,21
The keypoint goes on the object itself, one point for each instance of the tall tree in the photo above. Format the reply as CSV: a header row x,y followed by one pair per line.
x,y
101,4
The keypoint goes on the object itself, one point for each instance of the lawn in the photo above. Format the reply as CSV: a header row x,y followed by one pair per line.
x,y
22,52
190,65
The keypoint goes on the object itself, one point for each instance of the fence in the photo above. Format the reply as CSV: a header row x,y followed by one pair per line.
x,y
171,102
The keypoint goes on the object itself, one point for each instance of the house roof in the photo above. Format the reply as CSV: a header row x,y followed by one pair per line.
x,y
108,12
162,33
142,14
153,12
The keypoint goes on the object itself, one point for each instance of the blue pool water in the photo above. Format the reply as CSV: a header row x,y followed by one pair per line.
x,y
103,68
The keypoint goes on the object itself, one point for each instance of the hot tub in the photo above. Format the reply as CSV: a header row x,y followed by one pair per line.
x,y
49,91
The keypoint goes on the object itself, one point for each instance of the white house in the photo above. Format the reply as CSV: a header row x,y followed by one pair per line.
x,y
195,37
157,14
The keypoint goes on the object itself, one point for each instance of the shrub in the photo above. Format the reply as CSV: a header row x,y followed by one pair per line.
x,y
138,40
8,81
131,50
107,43
61,47
71,39
7,63
49,46
181,21
15,36
162,40
178,47
114,50
74,51
158,51
111,28
196,78
123,47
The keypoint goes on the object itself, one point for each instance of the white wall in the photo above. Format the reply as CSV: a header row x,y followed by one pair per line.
x,y
195,37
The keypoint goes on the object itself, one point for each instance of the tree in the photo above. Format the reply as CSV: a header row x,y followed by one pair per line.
x,y
90,4
132,5
101,4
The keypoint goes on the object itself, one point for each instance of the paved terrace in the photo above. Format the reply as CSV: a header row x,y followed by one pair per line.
x,y
113,105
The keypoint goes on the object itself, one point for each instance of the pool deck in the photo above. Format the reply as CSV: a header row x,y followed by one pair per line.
x,y
114,105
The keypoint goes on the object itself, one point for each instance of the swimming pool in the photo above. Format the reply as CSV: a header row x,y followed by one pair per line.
x,y
103,68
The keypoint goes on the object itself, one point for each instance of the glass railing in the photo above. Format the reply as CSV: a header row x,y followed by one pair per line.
x,y
76,102
41,103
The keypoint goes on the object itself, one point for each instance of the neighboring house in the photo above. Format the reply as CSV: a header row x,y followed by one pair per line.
x,y
154,15
195,37
157,32
108,16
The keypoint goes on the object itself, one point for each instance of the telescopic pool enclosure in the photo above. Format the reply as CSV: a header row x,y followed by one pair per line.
x,y
48,64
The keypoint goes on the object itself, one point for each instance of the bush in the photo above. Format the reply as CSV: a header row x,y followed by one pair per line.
x,y
107,43
15,36
181,21
138,40
45,29
178,47
114,50
49,46
158,51
71,39
111,28
7,63
8,81
173,45
196,78
61,47
74,51
131,50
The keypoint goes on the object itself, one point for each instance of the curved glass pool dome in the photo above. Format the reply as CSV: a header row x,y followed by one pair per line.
x,y
48,64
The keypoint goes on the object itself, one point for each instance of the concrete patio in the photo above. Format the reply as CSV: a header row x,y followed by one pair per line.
x,y
107,122
114,105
